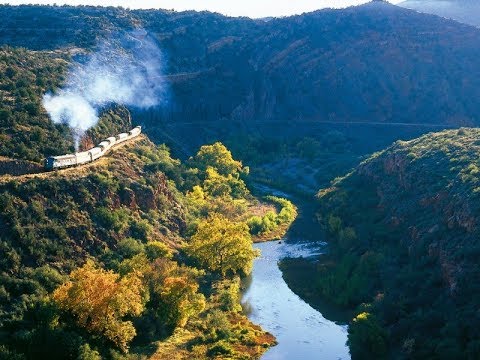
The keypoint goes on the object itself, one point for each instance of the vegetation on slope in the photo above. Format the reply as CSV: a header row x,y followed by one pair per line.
x,y
98,261
275,223
403,230
386,238
26,132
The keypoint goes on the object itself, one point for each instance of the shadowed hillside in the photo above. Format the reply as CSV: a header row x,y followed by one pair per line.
x,y
375,62
403,230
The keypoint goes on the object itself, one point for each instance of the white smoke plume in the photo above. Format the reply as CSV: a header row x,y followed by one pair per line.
x,y
126,70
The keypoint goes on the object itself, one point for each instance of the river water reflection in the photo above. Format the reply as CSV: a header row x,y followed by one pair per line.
x,y
301,331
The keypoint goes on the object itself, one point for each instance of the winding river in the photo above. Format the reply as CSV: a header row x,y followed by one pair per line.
x,y
301,331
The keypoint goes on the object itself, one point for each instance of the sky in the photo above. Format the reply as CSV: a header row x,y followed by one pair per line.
x,y
251,8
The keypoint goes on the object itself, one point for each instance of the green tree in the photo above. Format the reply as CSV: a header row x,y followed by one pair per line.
x,y
215,184
180,296
157,249
174,292
222,245
218,157
366,338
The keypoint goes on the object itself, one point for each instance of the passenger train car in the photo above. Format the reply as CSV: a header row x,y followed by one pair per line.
x,y
64,161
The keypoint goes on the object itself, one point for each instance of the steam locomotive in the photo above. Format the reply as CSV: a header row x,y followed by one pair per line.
x,y
64,161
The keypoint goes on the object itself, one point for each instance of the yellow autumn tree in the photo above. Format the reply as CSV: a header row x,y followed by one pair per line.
x,y
222,245
218,185
99,299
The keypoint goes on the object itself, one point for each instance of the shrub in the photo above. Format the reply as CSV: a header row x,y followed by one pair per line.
x,y
141,229
219,325
115,220
157,249
87,353
255,225
229,295
130,247
220,348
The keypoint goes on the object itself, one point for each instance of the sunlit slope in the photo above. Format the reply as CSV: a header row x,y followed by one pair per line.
x,y
120,256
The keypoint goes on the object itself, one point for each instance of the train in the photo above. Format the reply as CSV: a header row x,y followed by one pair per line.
x,y
84,157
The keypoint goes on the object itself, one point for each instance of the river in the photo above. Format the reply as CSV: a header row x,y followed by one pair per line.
x,y
301,331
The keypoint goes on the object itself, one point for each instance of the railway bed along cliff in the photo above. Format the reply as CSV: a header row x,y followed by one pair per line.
x,y
69,160
25,173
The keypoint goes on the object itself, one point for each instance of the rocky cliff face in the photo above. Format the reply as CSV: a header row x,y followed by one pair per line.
x,y
425,188
333,66
435,174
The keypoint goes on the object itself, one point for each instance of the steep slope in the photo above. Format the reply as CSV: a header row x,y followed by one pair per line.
x,y
51,223
403,229
25,129
373,63
466,11
120,227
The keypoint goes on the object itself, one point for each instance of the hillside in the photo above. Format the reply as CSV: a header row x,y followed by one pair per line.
x,y
302,99
235,69
403,230
160,244
100,260
26,132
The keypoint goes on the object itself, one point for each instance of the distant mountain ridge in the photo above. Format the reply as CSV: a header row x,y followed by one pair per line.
x,y
375,62
466,11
